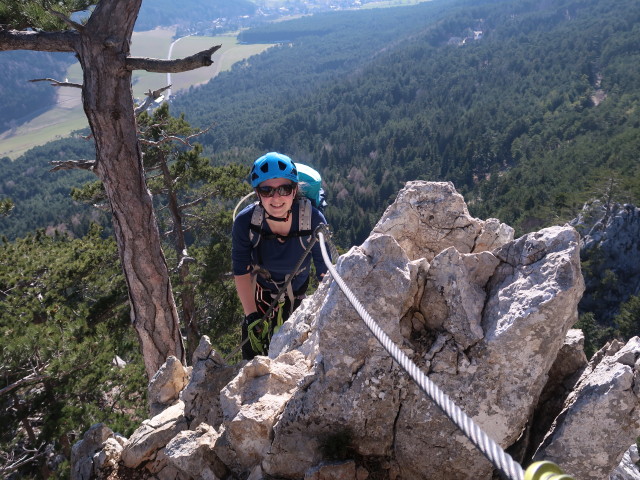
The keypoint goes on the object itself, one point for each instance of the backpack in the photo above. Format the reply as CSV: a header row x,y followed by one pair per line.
x,y
311,185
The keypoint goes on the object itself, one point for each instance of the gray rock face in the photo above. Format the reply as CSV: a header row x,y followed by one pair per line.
x,y
165,386
628,469
84,451
602,409
610,243
486,317
153,435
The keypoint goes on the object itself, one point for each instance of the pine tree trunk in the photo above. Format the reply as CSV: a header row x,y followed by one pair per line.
x,y
187,290
108,104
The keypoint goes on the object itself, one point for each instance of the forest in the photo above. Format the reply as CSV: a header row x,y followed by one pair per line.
x,y
20,101
494,116
529,120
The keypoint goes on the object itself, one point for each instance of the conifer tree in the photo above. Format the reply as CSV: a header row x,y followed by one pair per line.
x,y
102,46
6,205
68,356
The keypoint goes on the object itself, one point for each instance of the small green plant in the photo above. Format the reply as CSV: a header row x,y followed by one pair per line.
x,y
595,335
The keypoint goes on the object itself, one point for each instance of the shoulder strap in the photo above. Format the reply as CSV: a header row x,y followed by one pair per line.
x,y
255,227
304,220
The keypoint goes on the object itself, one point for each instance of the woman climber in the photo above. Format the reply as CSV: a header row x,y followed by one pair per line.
x,y
269,237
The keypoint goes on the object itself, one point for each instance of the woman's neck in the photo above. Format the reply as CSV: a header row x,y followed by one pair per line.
x,y
280,228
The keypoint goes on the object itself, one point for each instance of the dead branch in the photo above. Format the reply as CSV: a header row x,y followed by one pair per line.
x,y
168,138
28,456
66,20
197,60
67,41
184,260
28,380
57,83
150,98
72,164
193,203
37,377
102,206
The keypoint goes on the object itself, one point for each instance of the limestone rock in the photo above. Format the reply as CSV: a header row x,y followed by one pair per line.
x,y
333,471
209,376
84,451
108,456
254,399
610,240
166,385
192,452
428,217
354,389
600,418
531,304
563,375
153,435
486,317
628,468
454,294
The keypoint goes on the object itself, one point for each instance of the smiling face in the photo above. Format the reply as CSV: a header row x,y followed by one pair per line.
x,y
278,205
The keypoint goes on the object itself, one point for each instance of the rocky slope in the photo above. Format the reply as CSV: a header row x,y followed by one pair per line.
x,y
487,317
610,246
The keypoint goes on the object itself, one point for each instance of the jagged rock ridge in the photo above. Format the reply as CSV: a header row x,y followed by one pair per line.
x,y
485,316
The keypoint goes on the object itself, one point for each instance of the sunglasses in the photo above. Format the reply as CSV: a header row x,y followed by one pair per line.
x,y
282,190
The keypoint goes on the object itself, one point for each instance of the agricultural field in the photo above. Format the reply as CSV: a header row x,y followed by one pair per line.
x,y
68,116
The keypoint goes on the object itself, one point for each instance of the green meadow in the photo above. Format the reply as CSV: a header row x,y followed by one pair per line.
x,y
68,116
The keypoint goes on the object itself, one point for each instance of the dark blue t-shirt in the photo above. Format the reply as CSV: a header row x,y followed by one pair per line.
x,y
279,258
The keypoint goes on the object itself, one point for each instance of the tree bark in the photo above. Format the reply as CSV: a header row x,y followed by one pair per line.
x,y
197,60
108,104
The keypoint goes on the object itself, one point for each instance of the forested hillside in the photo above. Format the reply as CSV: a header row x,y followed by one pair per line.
x,y
20,99
159,13
41,197
505,117
527,121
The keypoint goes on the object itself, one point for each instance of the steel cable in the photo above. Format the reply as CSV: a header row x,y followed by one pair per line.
x,y
491,450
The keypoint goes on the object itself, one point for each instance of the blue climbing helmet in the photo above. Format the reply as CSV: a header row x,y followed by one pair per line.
x,y
273,165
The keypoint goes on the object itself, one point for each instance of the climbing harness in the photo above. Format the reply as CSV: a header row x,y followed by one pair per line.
x,y
304,224
277,300
491,450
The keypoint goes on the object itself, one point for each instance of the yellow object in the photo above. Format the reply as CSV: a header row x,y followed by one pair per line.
x,y
545,471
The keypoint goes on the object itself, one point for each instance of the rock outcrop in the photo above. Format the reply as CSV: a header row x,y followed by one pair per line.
x,y
488,319
610,245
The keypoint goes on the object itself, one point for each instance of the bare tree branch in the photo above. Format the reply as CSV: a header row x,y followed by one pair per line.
x,y
66,20
184,260
57,83
37,377
43,41
168,138
151,96
197,60
28,456
73,164
192,204
29,379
